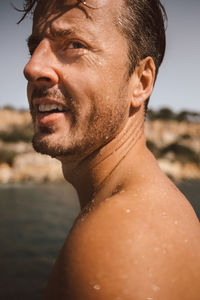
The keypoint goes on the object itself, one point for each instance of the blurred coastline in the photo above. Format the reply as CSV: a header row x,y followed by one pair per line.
x,y
173,138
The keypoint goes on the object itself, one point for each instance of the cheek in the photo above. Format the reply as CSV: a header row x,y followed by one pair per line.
x,y
97,86
92,84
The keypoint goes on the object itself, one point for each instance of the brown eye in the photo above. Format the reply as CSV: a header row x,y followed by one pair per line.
x,y
75,49
76,45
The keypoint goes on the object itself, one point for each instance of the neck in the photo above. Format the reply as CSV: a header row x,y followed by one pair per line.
x,y
103,172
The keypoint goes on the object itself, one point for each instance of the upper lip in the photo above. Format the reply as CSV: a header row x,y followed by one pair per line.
x,y
46,100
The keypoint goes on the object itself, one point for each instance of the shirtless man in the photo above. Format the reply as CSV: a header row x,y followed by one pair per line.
x,y
92,69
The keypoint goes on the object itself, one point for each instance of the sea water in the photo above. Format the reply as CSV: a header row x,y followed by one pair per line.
x,y
34,222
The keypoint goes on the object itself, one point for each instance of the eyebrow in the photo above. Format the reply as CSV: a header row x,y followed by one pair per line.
x,y
60,33
54,33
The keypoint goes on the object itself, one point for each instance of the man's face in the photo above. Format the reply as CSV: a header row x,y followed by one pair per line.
x,y
77,77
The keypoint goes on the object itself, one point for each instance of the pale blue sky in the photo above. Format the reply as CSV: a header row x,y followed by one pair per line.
x,y
178,81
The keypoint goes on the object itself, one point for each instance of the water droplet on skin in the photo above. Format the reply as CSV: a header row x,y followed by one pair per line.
x,y
150,270
164,248
107,254
128,210
155,288
186,241
125,292
124,276
122,191
156,249
175,222
96,287
140,236
164,214
149,298
107,200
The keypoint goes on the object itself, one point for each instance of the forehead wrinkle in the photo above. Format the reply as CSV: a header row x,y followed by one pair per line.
x,y
69,24
61,32
63,23
53,15
75,24
46,18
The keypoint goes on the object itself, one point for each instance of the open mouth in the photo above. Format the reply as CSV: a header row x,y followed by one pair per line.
x,y
51,108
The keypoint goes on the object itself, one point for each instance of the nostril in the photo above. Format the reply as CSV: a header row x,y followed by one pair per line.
x,y
44,79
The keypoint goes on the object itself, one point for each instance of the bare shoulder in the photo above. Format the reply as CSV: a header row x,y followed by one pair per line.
x,y
126,249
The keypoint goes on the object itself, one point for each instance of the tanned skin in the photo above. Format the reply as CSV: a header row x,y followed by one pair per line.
x,y
136,237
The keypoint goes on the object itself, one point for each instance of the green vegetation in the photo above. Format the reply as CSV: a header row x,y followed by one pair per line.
x,y
182,153
12,108
17,134
179,152
153,148
7,156
9,107
167,114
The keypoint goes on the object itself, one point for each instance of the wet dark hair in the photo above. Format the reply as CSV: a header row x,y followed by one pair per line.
x,y
29,7
143,24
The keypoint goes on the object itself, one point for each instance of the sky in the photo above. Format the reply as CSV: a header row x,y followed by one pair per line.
x,y
178,82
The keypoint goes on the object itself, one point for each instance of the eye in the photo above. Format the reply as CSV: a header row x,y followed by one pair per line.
x,y
74,48
76,45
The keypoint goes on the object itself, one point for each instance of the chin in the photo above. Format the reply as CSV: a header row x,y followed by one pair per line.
x,y
54,146
45,143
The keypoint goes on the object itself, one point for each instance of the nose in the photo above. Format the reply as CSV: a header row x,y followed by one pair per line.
x,y
40,70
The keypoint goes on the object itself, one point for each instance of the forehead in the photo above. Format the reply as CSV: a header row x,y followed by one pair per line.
x,y
89,12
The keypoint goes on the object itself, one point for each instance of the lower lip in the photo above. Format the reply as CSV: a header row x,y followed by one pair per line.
x,y
50,118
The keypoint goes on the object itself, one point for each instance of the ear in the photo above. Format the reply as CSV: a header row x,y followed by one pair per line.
x,y
142,82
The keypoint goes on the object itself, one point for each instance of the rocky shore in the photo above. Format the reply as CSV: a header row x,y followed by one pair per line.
x,y
175,144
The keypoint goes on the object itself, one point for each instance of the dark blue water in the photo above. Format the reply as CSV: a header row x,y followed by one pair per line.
x,y
34,221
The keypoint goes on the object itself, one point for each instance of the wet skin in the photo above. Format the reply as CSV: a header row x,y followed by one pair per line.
x,y
77,68
136,237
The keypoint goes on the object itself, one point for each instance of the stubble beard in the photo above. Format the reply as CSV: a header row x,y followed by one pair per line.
x,y
96,130
42,143
45,139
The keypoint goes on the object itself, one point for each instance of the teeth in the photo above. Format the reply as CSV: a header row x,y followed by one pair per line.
x,y
49,107
60,108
